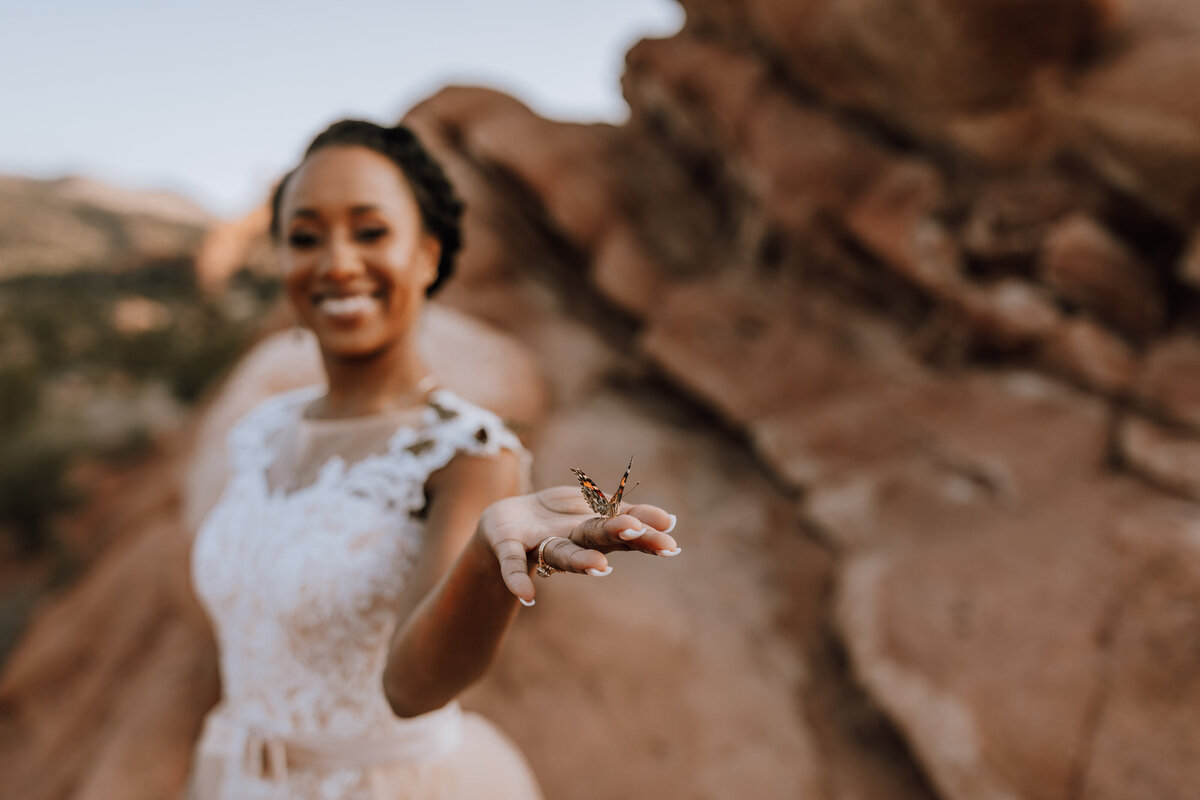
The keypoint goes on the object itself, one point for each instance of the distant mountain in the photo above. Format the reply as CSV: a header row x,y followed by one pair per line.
x,y
54,226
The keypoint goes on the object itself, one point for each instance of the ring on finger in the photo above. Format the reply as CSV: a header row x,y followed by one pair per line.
x,y
544,569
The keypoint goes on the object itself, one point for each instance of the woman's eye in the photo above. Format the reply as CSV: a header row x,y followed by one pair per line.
x,y
369,235
302,239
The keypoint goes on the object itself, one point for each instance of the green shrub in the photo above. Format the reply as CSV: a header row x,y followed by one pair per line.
x,y
20,391
68,319
33,488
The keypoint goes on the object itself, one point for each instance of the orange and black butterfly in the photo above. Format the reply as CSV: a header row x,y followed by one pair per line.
x,y
604,506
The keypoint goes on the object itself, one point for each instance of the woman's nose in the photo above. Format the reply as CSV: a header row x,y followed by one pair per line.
x,y
340,258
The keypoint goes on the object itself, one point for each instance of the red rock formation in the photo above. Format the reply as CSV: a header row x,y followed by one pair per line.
x,y
105,693
231,245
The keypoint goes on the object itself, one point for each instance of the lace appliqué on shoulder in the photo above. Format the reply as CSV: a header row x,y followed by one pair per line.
x,y
452,426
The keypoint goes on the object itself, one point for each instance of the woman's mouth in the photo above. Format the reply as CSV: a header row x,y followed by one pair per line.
x,y
347,306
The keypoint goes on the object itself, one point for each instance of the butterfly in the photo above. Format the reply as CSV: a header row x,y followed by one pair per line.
x,y
604,506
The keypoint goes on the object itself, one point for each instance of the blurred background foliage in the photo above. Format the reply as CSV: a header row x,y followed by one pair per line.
x,y
95,362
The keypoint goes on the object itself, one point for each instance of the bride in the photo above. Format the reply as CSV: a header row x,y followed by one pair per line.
x,y
370,548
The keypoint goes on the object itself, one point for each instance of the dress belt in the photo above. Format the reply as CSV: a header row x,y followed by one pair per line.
x,y
428,736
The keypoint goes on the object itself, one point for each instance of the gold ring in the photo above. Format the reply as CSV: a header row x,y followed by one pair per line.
x,y
544,569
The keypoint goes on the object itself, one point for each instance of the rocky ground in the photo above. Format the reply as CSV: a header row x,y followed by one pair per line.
x,y
896,304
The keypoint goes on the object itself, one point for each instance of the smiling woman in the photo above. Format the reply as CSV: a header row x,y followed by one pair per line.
x,y
366,557
355,270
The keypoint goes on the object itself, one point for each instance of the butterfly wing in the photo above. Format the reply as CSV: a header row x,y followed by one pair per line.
x,y
615,503
591,492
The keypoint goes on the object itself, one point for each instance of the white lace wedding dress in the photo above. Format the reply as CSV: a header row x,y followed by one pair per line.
x,y
302,567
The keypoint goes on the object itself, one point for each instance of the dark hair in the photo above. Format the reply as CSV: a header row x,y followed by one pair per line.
x,y
440,207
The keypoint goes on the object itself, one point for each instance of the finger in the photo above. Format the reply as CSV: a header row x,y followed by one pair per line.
x,y
514,569
604,534
628,532
564,554
652,516
655,527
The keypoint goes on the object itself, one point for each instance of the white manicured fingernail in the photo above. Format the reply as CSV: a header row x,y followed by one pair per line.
x,y
526,603
668,530
600,573
631,533
674,552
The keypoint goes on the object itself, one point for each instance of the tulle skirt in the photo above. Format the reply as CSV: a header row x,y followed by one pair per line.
x,y
478,762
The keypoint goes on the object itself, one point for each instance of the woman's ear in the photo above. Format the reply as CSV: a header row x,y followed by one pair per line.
x,y
430,256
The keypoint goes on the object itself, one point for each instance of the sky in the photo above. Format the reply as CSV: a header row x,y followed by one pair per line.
x,y
215,99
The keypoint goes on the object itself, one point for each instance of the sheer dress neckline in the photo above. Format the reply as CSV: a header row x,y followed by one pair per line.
x,y
414,412
307,452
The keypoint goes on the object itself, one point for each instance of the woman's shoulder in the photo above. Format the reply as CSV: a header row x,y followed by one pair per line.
x,y
471,426
455,427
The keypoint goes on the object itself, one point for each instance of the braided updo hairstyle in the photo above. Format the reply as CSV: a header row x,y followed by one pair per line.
x,y
440,207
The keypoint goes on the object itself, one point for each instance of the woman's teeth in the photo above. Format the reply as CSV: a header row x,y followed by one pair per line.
x,y
345,306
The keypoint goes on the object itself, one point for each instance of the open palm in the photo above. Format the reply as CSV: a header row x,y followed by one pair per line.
x,y
515,526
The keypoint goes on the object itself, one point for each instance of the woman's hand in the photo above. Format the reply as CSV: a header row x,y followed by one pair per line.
x,y
515,526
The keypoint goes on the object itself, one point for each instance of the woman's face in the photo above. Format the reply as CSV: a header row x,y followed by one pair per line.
x,y
356,258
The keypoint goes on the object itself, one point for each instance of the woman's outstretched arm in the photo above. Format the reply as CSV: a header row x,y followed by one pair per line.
x,y
452,637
